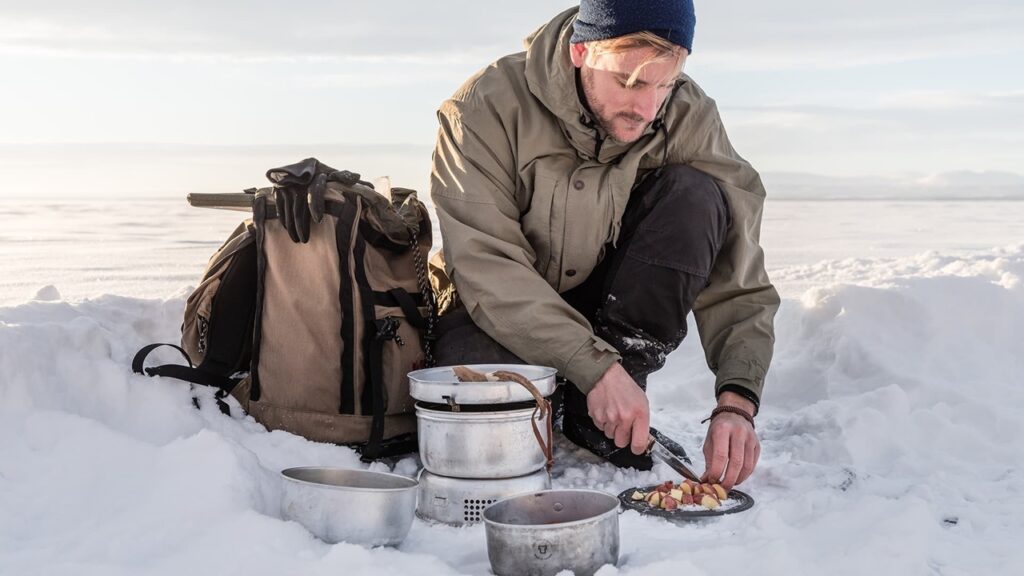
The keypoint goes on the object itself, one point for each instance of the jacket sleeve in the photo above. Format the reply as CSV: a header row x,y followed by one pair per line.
x,y
490,261
735,313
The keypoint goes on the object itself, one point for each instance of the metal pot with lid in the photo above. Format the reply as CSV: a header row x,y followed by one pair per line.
x,y
499,427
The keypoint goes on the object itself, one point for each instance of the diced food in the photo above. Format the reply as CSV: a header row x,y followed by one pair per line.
x,y
669,496
720,492
654,499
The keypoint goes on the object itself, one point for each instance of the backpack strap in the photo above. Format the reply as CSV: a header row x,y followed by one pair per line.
x,y
386,329
374,397
223,384
408,305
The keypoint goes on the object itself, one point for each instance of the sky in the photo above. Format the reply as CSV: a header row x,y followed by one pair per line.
x,y
146,97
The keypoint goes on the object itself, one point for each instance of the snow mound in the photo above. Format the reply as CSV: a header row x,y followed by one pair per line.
x,y
48,293
890,430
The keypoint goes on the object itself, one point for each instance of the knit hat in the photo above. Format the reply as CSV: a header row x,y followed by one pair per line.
x,y
673,20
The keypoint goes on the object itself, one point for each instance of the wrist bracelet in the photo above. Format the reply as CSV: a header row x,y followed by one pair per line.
x,y
742,391
731,410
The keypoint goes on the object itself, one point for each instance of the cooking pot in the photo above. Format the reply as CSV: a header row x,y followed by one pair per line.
x,y
357,506
543,533
482,441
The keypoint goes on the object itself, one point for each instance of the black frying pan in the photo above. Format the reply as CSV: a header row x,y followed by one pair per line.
x,y
679,515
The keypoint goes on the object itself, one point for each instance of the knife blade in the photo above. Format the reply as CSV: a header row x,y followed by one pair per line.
x,y
661,453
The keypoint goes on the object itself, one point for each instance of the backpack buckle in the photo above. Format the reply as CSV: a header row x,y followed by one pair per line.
x,y
387,329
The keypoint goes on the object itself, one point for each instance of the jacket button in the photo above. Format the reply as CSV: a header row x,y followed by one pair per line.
x,y
570,273
578,184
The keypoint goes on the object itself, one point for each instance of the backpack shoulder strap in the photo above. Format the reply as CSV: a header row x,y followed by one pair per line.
x,y
187,373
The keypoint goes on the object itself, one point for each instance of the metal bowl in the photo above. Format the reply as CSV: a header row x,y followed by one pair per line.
x,y
470,444
357,506
543,533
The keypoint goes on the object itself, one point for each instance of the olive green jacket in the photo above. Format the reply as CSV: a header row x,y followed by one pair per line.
x,y
527,198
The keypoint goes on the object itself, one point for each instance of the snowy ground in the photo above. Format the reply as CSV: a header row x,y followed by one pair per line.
x,y
892,441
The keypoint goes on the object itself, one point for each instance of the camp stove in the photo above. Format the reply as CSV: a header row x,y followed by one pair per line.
x,y
459,501
479,441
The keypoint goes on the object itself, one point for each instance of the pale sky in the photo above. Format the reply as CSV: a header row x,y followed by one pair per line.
x,y
119,94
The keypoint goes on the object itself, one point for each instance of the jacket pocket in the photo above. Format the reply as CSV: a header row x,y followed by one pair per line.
x,y
588,224
538,224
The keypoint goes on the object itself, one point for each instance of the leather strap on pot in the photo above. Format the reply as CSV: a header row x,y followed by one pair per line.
x,y
469,375
543,404
543,409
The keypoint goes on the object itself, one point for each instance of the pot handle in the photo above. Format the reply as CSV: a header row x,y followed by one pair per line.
x,y
543,408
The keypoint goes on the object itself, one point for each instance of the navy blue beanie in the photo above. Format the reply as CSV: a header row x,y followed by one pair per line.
x,y
673,20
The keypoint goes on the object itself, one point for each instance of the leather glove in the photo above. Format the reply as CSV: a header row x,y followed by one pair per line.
x,y
299,192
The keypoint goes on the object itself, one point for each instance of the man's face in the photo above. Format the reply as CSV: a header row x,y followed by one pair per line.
x,y
625,111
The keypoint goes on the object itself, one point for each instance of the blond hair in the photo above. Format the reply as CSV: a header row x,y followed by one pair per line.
x,y
663,49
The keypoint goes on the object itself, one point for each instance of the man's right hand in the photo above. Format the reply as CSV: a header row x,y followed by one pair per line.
x,y
618,407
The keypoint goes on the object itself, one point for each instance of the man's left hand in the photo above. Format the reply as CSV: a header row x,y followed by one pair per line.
x,y
731,448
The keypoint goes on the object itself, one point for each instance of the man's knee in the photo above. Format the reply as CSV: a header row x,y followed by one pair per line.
x,y
461,341
690,196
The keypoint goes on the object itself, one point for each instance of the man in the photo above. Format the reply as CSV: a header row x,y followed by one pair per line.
x,y
589,199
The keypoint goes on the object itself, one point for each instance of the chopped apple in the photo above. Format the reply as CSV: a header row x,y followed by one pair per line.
x,y
637,496
676,494
687,500
720,492
710,502
669,503
686,487
654,499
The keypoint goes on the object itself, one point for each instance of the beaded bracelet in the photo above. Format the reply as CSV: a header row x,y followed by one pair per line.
x,y
731,410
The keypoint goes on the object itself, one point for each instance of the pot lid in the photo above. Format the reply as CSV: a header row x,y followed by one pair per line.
x,y
440,385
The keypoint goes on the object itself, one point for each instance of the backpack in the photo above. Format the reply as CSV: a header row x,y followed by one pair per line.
x,y
317,338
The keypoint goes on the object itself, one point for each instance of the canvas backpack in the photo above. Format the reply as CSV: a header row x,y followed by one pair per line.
x,y
317,338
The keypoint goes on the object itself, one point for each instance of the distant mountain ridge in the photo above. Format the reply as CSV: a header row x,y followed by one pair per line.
x,y
155,169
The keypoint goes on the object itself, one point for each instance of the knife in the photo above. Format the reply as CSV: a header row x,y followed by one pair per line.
x,y
659,451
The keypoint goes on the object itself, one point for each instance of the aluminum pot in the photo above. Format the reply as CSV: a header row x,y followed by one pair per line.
x,y
480,444
459,501
543,533
357,506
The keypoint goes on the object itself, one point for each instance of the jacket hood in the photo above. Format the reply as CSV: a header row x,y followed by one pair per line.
x,y
551,78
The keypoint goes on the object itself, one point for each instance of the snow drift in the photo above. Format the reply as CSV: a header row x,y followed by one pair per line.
x,y
892,444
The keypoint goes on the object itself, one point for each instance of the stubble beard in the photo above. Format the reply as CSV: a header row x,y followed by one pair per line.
x,y
601,116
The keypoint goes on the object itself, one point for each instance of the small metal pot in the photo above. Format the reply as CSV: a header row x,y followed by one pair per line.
x,y
459,501
480,444
543,533
356,506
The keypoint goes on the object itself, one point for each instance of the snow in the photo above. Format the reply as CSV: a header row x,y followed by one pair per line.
x,y
891,435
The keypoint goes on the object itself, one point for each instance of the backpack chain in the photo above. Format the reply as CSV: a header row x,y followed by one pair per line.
x,y
428,299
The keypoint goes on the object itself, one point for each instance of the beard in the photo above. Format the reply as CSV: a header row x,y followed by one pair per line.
x,y
605,118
